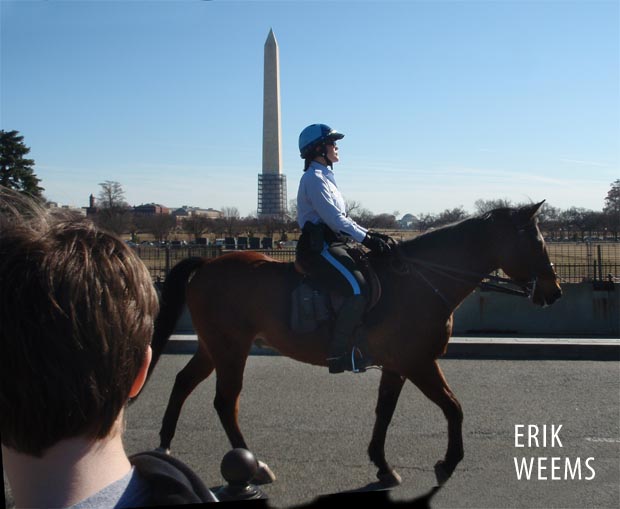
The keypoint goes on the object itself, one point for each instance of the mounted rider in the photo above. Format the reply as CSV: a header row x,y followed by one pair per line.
x,y
326,227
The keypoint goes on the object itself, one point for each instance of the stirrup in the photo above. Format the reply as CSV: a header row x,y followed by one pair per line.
x,y
362,365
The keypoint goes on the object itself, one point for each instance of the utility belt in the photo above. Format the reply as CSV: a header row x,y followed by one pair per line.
x,y
314,236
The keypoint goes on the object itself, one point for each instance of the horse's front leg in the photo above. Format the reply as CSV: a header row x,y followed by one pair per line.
x,y
389,391
227,391
197,369
432,383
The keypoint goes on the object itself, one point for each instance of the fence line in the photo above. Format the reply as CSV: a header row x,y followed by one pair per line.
x,y
574,262
160,260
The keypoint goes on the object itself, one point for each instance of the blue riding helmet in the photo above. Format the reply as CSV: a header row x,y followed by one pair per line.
x,y
315,134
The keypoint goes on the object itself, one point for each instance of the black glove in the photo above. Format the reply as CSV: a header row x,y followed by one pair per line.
x,y
375,243
390,241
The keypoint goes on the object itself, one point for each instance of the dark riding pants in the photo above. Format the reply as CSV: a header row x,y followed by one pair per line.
x,y
333,268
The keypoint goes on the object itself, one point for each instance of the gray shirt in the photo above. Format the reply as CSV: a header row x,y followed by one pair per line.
x,y
129,491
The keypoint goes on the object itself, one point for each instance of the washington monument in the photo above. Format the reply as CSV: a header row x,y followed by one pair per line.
x,y
271,182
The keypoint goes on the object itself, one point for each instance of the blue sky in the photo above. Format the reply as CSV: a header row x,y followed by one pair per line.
x,y
442,102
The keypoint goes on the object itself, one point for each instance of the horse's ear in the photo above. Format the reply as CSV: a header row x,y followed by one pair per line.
x,y
529,212
536,209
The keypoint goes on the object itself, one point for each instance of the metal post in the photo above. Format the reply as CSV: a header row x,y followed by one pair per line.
x,y
590,262
167,259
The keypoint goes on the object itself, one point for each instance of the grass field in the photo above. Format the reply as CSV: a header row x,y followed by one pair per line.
x,y
576,261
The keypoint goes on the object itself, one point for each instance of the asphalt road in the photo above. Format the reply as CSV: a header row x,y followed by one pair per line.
x,y
313,429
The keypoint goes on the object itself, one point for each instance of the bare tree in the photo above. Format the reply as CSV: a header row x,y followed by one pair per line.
x,y
115,220
159,225
352,207
113,214
449,216
250,224
112,195
385,221
271,224
425,221
231,217
484,206
196,225
612,208
292,209
360,215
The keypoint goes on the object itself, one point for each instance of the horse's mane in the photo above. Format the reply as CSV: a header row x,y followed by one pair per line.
x,y
455,232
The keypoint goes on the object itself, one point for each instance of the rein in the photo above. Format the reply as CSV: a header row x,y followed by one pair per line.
x,y
410,264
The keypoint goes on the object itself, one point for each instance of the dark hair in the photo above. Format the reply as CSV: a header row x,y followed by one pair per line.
x,y
76,316
313,152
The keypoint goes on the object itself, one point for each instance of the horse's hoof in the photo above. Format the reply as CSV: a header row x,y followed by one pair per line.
x,y
163,450
390,479
263,475
442,472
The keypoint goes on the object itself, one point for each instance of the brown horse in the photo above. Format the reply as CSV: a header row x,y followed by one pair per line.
x,y
423,282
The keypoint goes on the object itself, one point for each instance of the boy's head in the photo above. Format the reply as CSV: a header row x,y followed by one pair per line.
x,y
76,316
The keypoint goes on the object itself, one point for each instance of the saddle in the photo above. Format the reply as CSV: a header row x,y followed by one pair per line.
x,y
312,305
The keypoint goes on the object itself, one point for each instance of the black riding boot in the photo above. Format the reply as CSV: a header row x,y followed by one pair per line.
x,y
348,319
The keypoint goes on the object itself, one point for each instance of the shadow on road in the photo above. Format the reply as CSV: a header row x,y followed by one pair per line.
x,y
371,495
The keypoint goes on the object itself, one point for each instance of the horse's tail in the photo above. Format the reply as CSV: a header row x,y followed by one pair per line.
x,y
171,305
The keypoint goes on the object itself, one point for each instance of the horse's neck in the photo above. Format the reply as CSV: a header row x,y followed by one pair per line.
x,y
459,265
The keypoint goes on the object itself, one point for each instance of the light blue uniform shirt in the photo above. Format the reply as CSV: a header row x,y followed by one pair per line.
x,y
320,201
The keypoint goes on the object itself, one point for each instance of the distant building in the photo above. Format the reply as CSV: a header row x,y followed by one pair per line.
x,y
91,210
150,209
187,211
210,213
155,209
81,211
181,213
409,222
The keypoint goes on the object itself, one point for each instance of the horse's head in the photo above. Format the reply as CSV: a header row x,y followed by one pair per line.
x,y
523,254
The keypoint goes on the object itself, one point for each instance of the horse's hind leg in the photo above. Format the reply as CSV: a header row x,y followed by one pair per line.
x,y
389,391
199,367
430,380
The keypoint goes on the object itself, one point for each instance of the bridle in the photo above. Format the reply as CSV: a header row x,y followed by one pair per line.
x,y
408,265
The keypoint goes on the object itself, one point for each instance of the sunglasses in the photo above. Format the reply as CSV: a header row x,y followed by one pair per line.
x,y
331,143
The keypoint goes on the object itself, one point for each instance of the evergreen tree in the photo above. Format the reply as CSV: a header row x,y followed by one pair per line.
x,y
16,171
